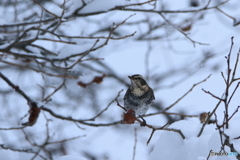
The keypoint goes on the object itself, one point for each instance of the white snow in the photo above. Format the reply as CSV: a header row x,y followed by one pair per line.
x,y
171,146
71,157
102,5
53,9
126,57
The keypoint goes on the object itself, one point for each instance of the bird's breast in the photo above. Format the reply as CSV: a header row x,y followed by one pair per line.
x,y
138,91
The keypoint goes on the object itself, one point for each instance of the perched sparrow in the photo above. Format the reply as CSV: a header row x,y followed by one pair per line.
x,y
139,95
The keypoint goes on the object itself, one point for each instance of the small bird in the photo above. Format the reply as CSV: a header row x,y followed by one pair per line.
x,y
139,95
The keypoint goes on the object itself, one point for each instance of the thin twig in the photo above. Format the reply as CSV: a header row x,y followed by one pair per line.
x,y
16,88
228,82
13,128
208,118
65,140
41,71
235,67
220,99
233,92
219,131
209,154
135,143
224,78
21,150
154,129
185,94
107,106
225,14
169,113
81,121
149,139
46,98
179,30
230,117
118,104
45,9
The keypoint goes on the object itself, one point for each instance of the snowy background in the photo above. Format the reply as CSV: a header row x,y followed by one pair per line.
x,y
51,46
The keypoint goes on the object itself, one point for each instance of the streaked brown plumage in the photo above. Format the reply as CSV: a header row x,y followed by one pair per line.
x,y
139,95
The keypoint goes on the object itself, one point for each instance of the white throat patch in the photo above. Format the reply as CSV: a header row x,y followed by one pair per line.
x,y
139,91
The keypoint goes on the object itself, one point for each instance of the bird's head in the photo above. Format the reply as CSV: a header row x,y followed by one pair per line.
x,y
137,81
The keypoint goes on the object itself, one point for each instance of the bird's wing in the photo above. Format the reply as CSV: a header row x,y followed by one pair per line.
x,y
151,98
127,93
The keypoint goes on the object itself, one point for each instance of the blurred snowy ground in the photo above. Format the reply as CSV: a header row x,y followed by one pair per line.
x,y
127,57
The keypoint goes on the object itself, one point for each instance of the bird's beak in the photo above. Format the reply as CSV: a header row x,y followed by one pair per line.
x,y
130,77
